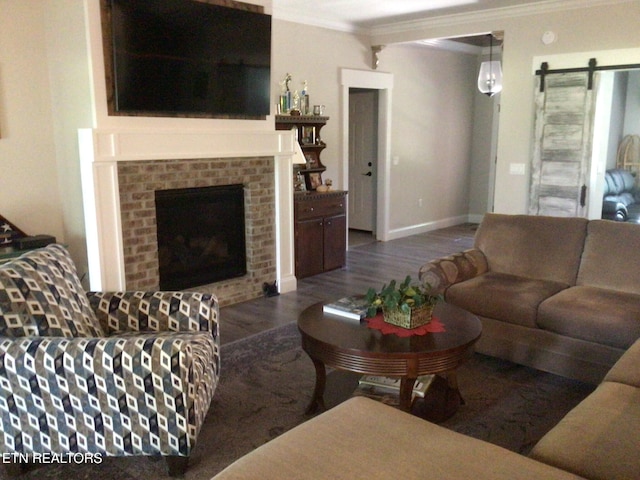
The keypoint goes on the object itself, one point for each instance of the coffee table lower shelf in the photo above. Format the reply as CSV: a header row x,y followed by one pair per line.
x,y
351,346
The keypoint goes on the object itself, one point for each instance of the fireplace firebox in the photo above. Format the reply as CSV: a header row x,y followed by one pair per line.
x,y
201,235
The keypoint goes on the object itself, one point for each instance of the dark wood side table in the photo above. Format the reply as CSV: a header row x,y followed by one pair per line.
x,y
345,344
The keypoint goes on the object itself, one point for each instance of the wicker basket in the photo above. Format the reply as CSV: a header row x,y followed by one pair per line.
x,y
416,318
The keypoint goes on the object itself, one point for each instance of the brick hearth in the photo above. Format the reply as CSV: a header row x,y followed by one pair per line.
x,y
138,180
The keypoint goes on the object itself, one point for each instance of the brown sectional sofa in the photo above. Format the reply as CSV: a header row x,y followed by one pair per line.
x,y
600,438
558,294
364,439
525,278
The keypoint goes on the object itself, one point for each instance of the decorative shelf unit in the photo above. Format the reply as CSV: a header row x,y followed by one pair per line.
x,y
308,134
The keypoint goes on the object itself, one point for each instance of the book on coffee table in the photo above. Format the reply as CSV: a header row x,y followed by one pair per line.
x,y
354,307
392,385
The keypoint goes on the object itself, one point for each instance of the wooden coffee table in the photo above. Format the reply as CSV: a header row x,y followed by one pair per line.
x,y
345,344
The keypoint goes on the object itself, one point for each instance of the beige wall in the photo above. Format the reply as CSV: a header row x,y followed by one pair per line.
x,y
432,106
70,96
316,54
603,27
29,193
43,92
431,132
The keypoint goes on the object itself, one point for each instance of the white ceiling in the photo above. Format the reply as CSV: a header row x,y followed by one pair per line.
x,y
354,15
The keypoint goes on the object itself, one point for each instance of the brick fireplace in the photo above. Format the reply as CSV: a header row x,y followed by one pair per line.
x,y
138,182
121,169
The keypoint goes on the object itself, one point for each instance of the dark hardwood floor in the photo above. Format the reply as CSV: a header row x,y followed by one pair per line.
x,y
368,265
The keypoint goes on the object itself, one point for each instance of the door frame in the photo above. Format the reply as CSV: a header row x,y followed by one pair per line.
x,y
383,82
356,95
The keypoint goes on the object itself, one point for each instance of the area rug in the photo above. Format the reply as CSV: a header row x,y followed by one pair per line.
x,y
267,381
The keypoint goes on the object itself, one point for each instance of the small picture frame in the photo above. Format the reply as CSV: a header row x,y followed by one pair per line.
x,y
313,180
312,159
308,135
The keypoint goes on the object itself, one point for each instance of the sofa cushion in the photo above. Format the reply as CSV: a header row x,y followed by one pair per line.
x,y
365,439
546,248
610,257
503,297
627,369
593,314
41,294
599,438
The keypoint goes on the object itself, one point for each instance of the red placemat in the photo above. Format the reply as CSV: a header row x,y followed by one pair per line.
x,y
378,323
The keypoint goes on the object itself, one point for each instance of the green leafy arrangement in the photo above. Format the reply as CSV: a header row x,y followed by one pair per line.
x,y
403,296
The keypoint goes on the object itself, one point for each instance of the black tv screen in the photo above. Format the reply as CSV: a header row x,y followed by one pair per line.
x,y
190,58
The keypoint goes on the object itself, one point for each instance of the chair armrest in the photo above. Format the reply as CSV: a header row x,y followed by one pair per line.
x,y
440,274
133,394
155,311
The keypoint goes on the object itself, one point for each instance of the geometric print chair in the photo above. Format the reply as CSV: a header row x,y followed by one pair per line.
x,y
124,373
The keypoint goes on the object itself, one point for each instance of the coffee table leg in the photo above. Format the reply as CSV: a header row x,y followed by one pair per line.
x,y
317,401
452,380
406,391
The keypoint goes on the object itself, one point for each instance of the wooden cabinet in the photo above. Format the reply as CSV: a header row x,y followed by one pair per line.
x,y
320,232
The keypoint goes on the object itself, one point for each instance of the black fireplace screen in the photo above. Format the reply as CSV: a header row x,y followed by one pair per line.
x,y
201,235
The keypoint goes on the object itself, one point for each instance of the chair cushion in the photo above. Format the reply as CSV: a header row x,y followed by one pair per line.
x,y
546,248
610,257
503,297
41,294
593,314
599,438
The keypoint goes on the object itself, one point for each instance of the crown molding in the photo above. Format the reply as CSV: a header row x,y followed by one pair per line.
x,y
407,26
548,6
288,15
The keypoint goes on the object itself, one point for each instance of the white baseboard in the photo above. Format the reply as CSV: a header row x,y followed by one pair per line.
x,y
287,284
426,227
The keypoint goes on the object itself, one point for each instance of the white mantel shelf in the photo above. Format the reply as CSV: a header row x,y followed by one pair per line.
x,y
101,149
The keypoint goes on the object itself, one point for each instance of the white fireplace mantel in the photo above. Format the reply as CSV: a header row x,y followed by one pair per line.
x,y
101,149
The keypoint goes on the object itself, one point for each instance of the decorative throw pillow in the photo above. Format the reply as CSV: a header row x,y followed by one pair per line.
x,y
41,294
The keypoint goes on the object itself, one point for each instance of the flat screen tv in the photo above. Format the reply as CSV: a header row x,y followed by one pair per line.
x,y
189,58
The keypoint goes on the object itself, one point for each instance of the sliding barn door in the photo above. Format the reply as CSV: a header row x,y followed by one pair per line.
x,y
562,145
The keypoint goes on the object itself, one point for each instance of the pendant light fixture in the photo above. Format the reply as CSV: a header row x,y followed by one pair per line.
x,y
490,76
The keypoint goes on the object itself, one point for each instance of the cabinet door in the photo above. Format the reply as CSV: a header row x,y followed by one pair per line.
x,y
335,234
309,239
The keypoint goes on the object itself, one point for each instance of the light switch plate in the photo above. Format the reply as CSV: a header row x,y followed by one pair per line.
x,y
517,168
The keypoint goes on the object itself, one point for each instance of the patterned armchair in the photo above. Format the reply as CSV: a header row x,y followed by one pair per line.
x,y
126,373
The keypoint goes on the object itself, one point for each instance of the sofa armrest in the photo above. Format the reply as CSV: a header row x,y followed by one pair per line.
x,y
440,274
155,311
133,394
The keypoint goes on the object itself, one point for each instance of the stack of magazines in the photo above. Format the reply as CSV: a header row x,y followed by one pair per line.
x,y
388,389
354,307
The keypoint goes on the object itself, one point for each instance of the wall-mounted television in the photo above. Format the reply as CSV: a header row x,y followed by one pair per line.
x,y
187,58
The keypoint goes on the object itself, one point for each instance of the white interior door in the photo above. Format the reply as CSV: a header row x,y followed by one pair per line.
x,y
363,147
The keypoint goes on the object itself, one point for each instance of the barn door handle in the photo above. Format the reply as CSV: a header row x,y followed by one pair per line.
x,y
368,174
583,195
